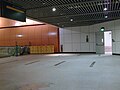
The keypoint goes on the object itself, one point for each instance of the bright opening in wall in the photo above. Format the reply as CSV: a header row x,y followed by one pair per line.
x,y
108,42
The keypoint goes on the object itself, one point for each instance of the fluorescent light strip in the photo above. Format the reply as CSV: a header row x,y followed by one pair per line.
x,y
15,9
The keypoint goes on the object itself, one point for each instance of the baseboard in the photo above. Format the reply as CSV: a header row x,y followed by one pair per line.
x,y
75,52
4,56
115,54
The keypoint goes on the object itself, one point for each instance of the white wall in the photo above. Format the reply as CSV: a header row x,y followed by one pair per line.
x,y
73,38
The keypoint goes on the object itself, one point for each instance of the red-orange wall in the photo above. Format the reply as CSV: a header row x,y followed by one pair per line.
x,y
6,22
34,35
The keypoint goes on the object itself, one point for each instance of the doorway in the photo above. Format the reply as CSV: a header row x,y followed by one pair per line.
x,y
108,42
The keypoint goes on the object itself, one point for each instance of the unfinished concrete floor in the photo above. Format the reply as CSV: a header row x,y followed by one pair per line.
x,y
60,72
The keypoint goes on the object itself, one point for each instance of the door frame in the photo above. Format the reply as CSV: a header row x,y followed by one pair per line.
x,y
111,38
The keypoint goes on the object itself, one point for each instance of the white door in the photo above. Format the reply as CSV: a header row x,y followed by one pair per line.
x,y
100,43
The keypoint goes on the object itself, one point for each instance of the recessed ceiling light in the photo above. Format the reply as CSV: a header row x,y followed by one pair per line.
x,y
54,9
71,19
105,9
106,16
76,6
105,3
70,7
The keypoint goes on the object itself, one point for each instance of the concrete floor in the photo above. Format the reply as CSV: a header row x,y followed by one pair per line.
x,y
60,72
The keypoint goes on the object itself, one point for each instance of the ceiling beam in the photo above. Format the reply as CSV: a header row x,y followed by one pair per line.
x,y
101,19
62,16
78,24
39,7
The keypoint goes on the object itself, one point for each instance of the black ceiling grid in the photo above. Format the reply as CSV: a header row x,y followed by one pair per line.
x,y
83,12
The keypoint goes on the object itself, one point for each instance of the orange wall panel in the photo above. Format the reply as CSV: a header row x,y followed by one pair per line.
x,y
1,35
7,35
6,22
34,35
25,33
31,33
12,34
37,31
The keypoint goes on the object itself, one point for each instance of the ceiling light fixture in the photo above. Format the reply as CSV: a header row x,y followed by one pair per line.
x,y
70,7
43,3
19,35
71,19
105,3
105,9
106,16
54,9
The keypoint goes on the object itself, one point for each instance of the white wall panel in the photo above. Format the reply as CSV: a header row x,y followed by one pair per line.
x,y
75,38
61,36
84,47
76,31
61,39
67,38
118,47
113,35
75,28
91,28
61,30
117,24
114,47
92,49
92,37
117,33
84,29
67,47
110,25
83,37
76,47
67,31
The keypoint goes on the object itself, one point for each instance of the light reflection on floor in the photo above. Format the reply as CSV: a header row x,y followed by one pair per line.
x,y
61,54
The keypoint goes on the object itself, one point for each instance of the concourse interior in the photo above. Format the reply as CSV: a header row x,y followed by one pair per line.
x,y
59,44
